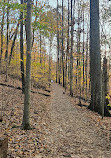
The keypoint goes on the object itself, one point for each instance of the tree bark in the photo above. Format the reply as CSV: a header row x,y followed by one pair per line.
x,y
71,55
22,51
86,67
63,42
58,48
6,53
50,61
13,43
26,123
33,37
95,58
7,43
2,27
67,54
79,54
83,51
105,111
40,48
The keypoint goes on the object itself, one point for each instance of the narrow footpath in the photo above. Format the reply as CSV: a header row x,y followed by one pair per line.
x,y
72,133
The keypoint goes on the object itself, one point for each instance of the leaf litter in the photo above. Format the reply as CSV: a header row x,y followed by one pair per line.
x,y
60,128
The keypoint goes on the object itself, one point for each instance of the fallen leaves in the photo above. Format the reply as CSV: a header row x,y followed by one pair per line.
x,y
23,144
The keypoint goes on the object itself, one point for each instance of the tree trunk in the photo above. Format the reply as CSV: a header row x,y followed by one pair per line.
x,y
58,48
63,41
67,54
83,52
105,111
40,48
13,43
22,51
86,66
71,55
95,58
26,123
79,54
33,37
2,27
6,53
50,61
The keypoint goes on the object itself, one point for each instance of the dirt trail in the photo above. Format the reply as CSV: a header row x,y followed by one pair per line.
x,y
72,133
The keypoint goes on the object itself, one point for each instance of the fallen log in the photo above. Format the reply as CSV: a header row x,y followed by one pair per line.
x,y
47,95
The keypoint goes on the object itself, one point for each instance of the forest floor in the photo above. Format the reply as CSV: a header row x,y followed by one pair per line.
x,y
76,132
61,128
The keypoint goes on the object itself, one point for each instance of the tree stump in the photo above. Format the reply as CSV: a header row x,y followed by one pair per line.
x,y
3,146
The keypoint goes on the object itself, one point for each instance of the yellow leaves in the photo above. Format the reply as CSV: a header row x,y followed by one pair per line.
x,y
109,105
21,60
35,64
108,97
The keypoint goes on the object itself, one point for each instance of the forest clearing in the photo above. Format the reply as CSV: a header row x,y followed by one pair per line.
x,y
55,79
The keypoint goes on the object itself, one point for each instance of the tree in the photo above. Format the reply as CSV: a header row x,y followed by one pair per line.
x,y
79,30
58,48
7,45
22,51
71,54
50,60
67,54
2,27
26,123
63,41
83,7
13,43
105,111
95,58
